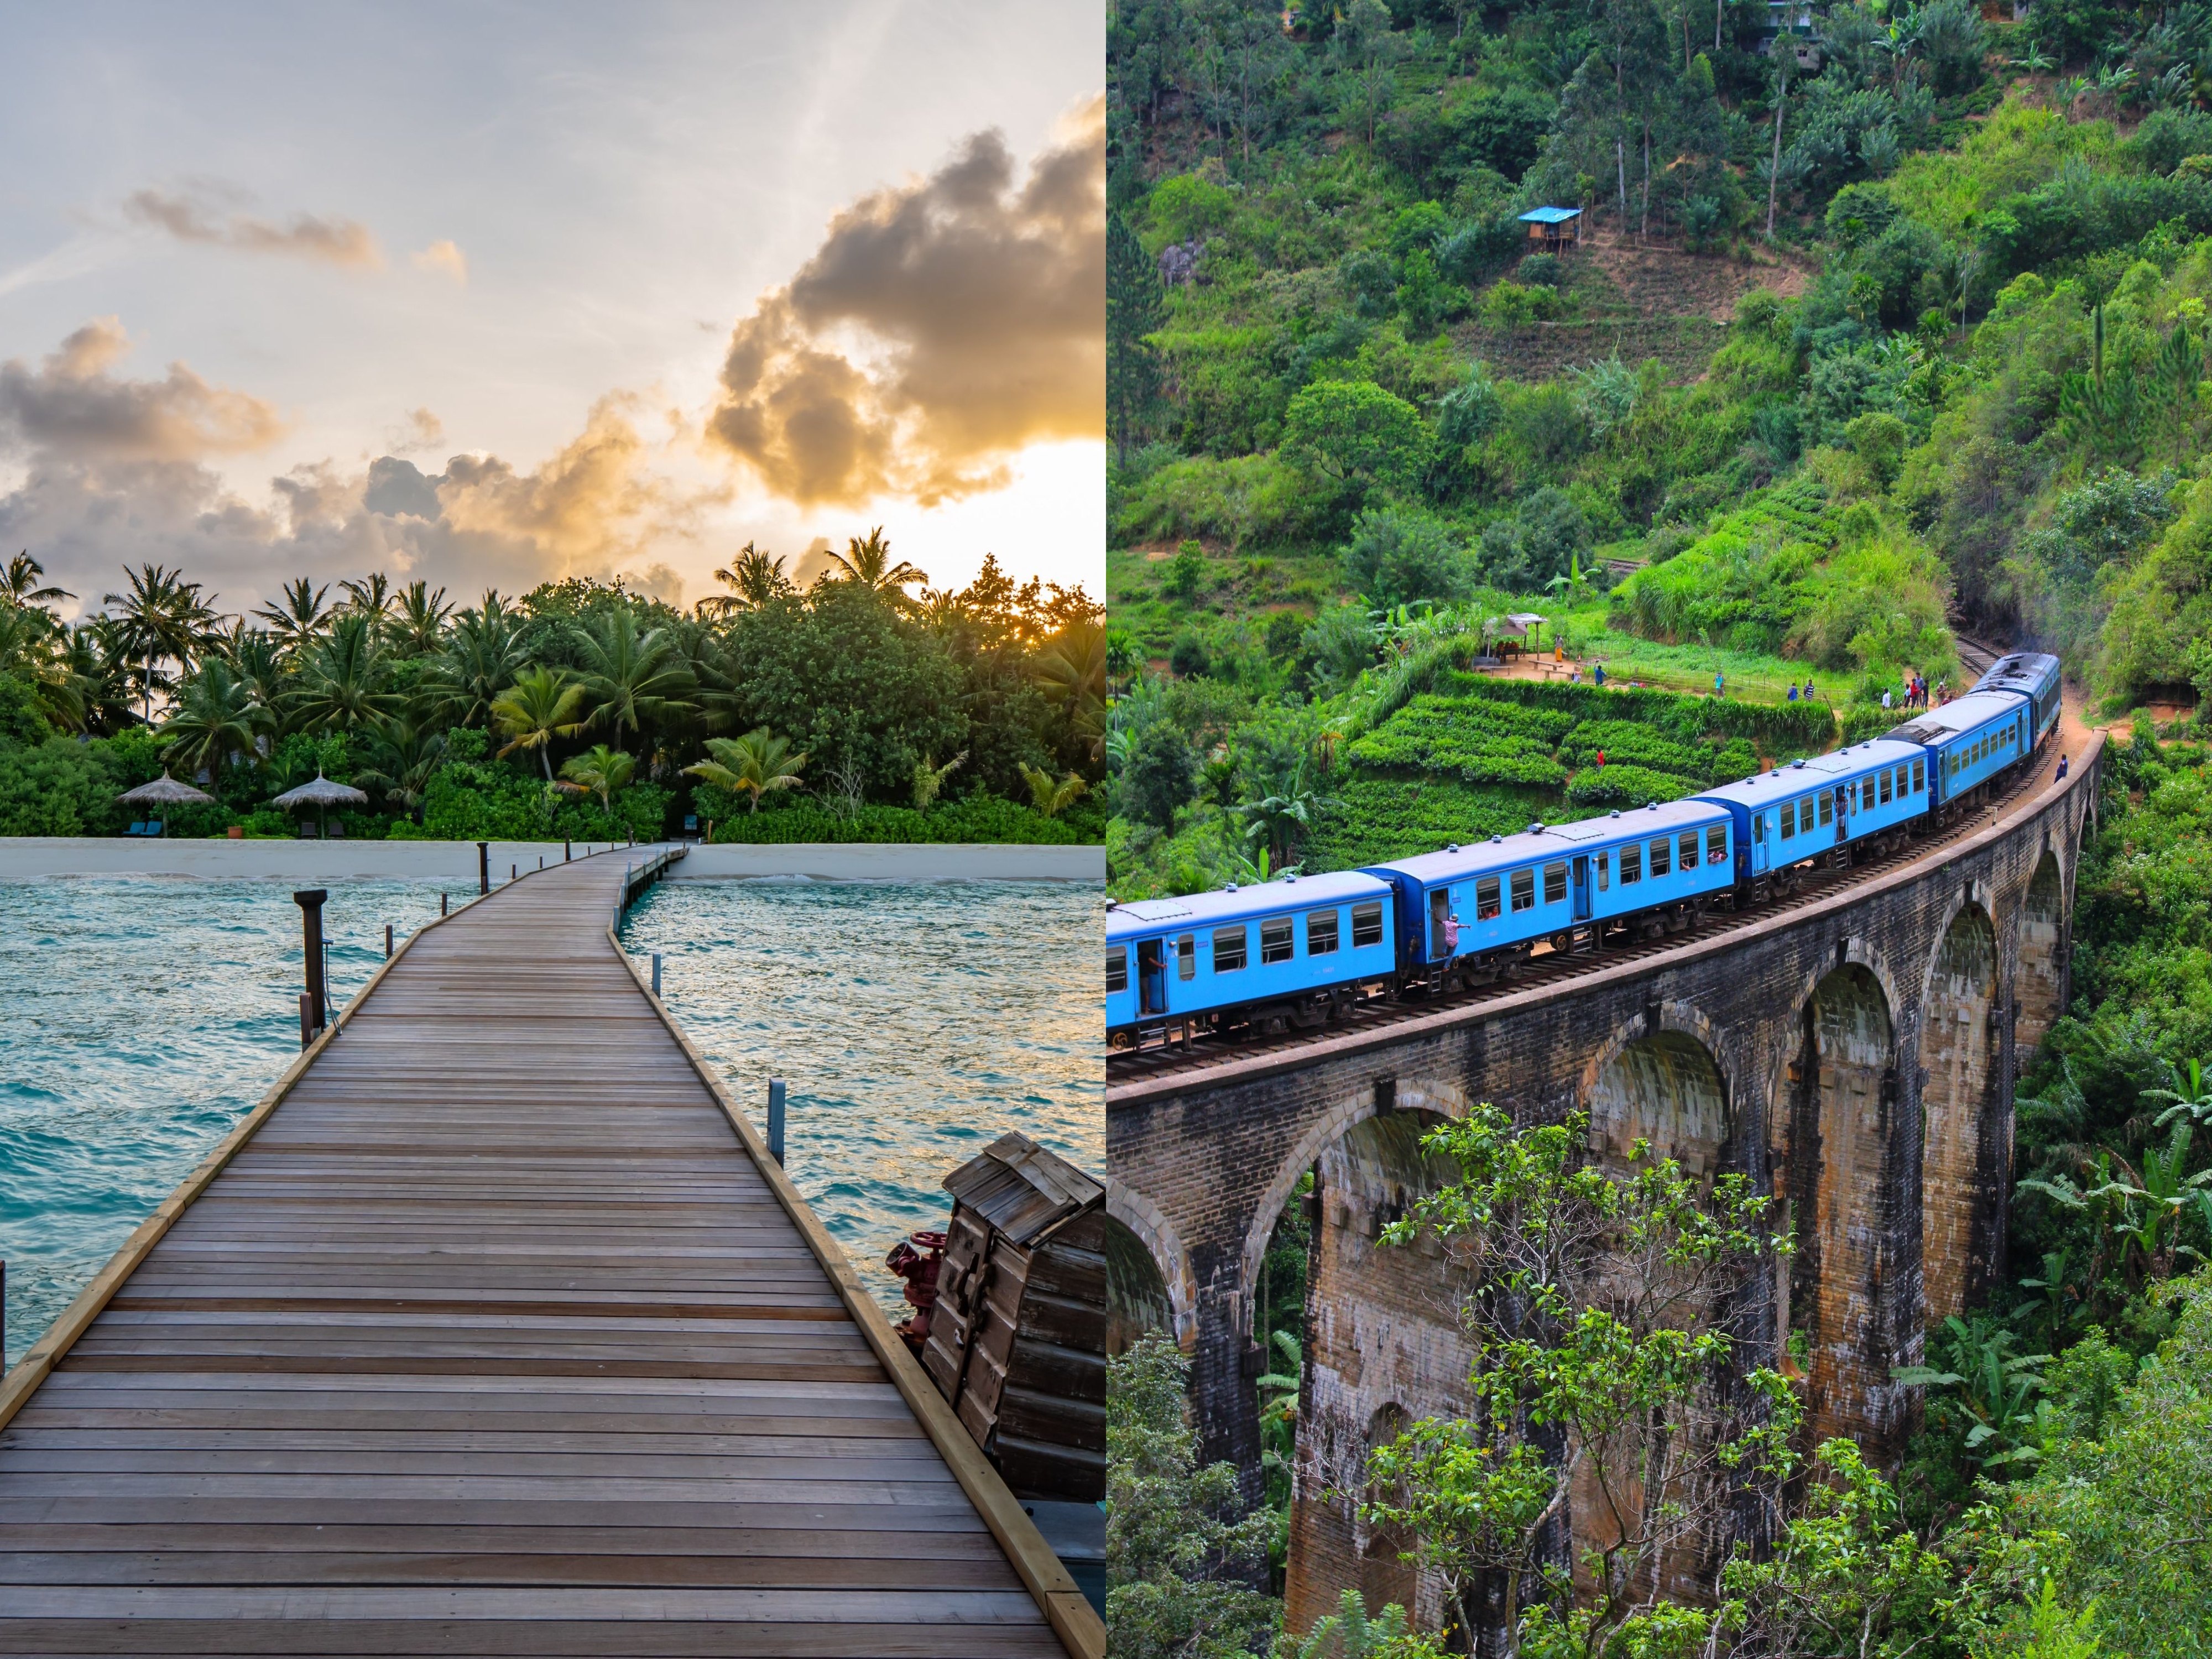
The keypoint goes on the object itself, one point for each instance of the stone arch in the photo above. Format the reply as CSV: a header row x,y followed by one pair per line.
x,y
1665,1088
1437,1099
1161,1249
1833,1168
1385,1576
2039,981
1961,1098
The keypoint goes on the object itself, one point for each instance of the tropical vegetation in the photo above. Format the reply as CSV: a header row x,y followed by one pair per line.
x,y
579,710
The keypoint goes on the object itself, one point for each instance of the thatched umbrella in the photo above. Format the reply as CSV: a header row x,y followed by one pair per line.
x,y
322,794
164,791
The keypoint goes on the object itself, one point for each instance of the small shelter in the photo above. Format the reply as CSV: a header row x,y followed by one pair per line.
x,y
164,791
1525,629
1017,1340
1554,230
322,794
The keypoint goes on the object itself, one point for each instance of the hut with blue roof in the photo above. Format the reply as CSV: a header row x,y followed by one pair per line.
x,y
1554,227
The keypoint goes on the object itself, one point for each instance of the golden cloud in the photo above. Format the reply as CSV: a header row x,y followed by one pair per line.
x,y
190,216
980,310
71,402
446,259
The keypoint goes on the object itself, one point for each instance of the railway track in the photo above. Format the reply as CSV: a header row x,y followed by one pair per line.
x,y
1549,967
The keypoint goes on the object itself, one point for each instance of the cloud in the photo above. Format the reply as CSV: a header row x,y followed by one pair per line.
x,y
447,258
71,404
419,430
112,471
196,215
942,324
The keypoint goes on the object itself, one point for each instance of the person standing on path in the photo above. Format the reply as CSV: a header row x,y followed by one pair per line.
x,y
1719,684
2061,765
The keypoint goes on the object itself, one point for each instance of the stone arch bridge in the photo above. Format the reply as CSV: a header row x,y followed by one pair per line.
x,y
1855,1057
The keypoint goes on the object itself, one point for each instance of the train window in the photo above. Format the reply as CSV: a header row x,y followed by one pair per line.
x,y
1662,858
1632,864
1117,970
1485,899
1788,820
1604,871
1555,882
1367,925
1228,950
1685,850
1524,890
1186,957
1276,942
1828,809
1717,844
1919,776
1885,786
1320,933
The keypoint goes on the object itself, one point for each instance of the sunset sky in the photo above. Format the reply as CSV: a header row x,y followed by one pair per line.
x,y
487,294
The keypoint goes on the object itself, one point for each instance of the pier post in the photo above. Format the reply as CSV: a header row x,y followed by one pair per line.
x,y
310,901
441,902
483,867
656,972
387,941
776,1118
566,854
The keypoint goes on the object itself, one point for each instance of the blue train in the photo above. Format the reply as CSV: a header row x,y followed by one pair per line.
x,y
1299,951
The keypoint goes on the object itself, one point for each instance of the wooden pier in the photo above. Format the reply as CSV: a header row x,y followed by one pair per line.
x,y
494,1330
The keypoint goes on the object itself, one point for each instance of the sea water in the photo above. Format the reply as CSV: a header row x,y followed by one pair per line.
x,y
141,1019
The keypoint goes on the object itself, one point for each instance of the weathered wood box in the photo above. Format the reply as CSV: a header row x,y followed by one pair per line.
x,y
1018,1338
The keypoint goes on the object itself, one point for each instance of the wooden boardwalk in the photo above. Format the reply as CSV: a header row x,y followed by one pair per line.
x,y
494,1330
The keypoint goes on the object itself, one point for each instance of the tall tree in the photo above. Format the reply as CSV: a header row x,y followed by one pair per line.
x,y
635,672
541,705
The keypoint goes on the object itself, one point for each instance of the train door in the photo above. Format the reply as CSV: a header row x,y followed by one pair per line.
x,y
1758,843
1151,977
1843,814
1581,888
1439,908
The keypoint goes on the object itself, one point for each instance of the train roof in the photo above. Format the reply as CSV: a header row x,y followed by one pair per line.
x,y
1811,773
1223,906
1550,841
2022,670
1941,725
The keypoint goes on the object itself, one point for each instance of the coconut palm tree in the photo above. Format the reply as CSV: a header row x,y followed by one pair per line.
x,y
217,718
374,598
298,617
480,661
632,673
402,754
754,764
868,563
1070,673
600,771
19,584
162,618
1049,796
754,577
34,648
343,682
540,706
418,620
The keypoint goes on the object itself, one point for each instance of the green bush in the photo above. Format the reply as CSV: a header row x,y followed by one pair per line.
x,y
1626,786
975,818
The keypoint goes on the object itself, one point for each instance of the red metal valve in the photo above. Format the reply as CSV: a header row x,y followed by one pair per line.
x,y
918,1266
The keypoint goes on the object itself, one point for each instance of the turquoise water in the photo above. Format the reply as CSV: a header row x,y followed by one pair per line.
x,y
140,1019
913,1026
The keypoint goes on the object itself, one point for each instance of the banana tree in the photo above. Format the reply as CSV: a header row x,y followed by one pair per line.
x,y
1996,1390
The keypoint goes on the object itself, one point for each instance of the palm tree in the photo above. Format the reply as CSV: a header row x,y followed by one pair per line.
x,y
101,669
600,771
635,673
929,779
343,683
540,706
34,648
217,717
1050,797
418,623
20,584
404,755
868,563
755,763
1070,671
372,599
755,576
162,619
480,661
299,615
1290,808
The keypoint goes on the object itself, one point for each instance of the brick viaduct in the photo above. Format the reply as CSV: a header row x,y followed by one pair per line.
x,y
1856,1058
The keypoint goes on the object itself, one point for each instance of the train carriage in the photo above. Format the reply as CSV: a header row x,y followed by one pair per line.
x,y
1817,808
1970,740
1288,949
2034,675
